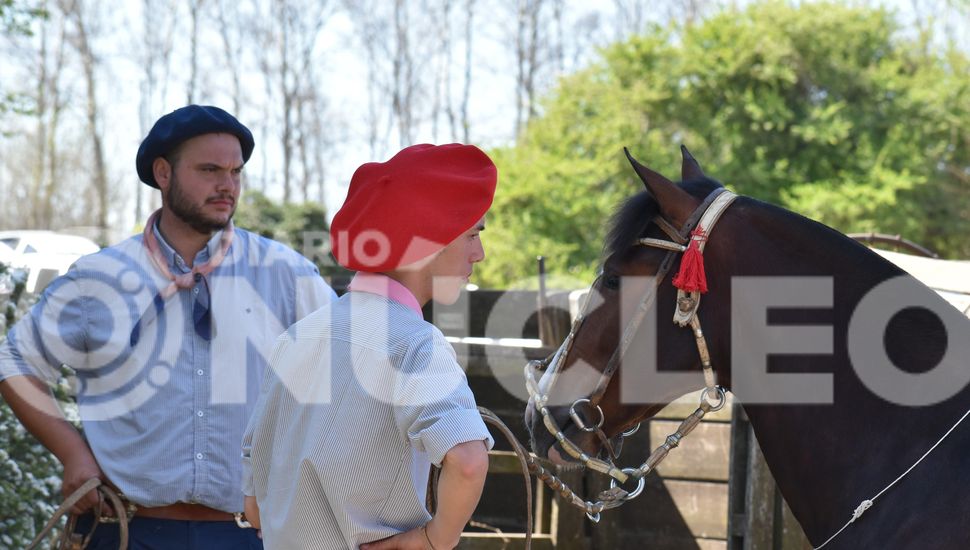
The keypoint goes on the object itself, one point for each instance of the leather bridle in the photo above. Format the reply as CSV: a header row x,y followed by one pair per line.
x,y
703,218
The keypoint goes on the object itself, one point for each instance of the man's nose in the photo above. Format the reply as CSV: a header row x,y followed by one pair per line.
x,y
227,181
478,254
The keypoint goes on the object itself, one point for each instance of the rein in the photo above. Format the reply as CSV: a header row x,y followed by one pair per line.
x,y
67,539
867,503
713,398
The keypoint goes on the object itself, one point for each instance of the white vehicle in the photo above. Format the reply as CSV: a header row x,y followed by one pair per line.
x,y
6,253
44,254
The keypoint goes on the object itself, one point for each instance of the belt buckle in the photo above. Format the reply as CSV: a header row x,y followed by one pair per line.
x,y
130,509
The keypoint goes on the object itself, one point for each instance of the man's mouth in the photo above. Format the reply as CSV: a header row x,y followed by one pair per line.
x,y
224,202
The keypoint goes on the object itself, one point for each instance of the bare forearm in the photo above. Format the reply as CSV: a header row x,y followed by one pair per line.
x,y
459,490
251,509
31,400
35,407
463,473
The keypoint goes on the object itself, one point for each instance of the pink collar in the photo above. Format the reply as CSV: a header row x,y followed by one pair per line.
x,y
382,285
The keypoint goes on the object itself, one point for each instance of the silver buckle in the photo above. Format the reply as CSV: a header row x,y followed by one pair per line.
x,y
719,395
579,421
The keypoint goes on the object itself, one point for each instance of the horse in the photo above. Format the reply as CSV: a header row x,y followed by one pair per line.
x,y
853,374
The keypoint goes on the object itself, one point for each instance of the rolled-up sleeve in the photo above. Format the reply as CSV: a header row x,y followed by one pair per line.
x,y
433,404
53,333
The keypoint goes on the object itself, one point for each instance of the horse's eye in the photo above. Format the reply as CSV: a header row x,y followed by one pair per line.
x,y
611,282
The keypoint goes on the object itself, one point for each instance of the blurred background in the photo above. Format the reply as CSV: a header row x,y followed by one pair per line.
x,y
853,113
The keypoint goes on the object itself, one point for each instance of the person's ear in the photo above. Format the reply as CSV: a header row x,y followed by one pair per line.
x,y
162,170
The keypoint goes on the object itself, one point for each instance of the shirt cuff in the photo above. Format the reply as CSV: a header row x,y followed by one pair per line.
x,y
12,363
458,426
248,488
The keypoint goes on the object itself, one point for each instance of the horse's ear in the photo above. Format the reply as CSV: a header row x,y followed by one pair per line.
x,y
676,205
689,168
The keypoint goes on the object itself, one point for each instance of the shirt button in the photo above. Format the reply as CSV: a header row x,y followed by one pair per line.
x,y
195,291
200,413
198,456
200,372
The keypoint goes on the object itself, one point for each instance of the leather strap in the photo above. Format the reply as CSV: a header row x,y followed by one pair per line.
x,y
184,511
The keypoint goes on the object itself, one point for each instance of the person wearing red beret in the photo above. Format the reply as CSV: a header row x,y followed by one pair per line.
x,y
366,393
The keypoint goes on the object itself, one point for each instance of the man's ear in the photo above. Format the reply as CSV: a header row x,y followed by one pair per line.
x,y
162,171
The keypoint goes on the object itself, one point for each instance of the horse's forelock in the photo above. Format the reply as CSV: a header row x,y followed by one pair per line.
x,y
631,219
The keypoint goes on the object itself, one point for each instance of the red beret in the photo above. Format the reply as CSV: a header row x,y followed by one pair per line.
x,y
406,209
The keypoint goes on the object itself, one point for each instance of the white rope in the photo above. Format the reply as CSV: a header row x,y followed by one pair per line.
x,y
866,504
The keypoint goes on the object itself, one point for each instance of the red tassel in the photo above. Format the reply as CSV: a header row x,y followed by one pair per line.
x,y
691,276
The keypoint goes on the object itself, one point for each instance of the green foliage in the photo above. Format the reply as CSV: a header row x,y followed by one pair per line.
x,y
822,108
30,478
302,227
16,16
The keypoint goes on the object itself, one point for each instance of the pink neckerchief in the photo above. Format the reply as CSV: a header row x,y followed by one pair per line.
x,y
382,285
182,281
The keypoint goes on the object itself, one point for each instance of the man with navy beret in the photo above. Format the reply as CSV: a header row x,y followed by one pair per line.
x,y
169,334
366,393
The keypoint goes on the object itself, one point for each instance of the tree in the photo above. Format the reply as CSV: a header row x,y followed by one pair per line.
x,y
821,108
15,19
80,15
16,15
288,32
155,59
302,227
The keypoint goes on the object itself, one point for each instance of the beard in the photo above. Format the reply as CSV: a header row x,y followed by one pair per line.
x,y
192,214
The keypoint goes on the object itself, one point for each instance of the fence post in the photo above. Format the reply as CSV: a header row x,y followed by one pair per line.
x,y
543,320
758,516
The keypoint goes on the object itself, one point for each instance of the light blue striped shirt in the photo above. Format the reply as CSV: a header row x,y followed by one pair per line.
x,y
165,413
364,396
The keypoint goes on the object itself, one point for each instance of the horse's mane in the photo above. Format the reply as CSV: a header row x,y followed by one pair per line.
x,y
631,219
633,216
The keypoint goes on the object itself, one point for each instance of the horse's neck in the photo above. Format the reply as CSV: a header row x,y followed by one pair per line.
x,y
828,458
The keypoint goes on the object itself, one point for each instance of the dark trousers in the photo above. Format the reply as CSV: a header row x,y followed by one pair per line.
x,y
169,534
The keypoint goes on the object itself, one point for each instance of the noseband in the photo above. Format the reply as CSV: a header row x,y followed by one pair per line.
x,y
704,218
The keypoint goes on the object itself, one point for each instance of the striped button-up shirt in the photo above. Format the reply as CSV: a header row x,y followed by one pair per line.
x,y
163,408
364,396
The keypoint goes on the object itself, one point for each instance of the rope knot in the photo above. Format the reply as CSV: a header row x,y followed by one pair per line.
x,y
698,235
691,277
863,506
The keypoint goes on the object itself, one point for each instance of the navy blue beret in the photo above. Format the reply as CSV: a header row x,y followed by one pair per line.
x,y
185,123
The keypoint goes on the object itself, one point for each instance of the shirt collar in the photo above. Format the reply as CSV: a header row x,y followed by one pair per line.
x,y
382,285
176,260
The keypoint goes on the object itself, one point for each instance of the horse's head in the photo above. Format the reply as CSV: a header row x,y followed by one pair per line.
x,y
598,384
